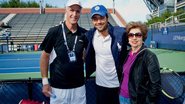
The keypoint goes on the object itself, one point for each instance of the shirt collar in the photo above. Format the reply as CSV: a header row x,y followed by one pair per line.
x,y
134,54
97,34
67,31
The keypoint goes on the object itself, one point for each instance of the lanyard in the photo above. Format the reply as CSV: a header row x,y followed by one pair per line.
x,y
65,40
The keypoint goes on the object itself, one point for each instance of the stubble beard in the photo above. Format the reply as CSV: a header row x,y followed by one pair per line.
x,y
103,29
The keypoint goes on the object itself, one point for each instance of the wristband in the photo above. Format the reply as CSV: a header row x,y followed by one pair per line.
x,y
45,81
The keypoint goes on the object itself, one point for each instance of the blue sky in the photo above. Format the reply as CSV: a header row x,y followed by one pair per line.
x,y
130,10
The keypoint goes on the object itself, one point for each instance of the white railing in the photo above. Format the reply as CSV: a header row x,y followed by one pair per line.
x,y
180,17
156,25
172,20
169,21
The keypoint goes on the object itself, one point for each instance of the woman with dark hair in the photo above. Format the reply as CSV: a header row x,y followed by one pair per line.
x,y
141,80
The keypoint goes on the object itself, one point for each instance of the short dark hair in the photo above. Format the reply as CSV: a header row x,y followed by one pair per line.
x,y
105,16
140,25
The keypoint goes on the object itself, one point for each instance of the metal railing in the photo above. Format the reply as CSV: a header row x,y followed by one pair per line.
x,y
174,20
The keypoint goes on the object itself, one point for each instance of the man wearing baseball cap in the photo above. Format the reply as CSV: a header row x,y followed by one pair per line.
x,y
102,55
62,51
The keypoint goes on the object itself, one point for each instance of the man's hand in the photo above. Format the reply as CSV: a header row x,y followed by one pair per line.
x,y
46,89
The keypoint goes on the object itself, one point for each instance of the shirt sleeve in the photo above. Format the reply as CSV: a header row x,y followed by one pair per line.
x,y
48,42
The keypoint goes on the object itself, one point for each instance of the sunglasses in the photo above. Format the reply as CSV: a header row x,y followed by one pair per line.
x,y
137,35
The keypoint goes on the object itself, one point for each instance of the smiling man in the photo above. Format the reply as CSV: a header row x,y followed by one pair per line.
x,y
62,51
102,55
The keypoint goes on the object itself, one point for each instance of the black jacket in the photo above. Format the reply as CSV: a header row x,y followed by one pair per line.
x,y
144,80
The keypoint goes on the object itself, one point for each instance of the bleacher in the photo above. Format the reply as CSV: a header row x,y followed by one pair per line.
x,y
2,16
32,28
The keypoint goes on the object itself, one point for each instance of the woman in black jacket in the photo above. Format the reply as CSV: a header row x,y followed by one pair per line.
x,y
141,80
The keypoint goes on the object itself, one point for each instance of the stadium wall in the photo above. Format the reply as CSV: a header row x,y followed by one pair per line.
x,y
120,18
13,91
170,38
19,10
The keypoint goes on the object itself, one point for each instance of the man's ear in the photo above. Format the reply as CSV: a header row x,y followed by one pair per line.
x,y
65,16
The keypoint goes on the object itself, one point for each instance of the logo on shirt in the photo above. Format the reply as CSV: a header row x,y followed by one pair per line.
x,y
119,46
80,40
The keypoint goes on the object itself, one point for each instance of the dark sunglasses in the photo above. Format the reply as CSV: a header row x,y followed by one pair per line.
x,y
137,35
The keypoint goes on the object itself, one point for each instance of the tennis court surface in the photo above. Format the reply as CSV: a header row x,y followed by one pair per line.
x,y
25,65
19,65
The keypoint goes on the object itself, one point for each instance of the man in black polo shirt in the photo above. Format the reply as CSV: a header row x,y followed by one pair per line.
x,y
63,49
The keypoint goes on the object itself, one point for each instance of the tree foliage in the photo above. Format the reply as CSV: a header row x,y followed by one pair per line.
x,y
164,16
18,4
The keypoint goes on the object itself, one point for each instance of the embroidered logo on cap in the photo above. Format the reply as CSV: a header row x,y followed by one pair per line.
x,y
97,8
